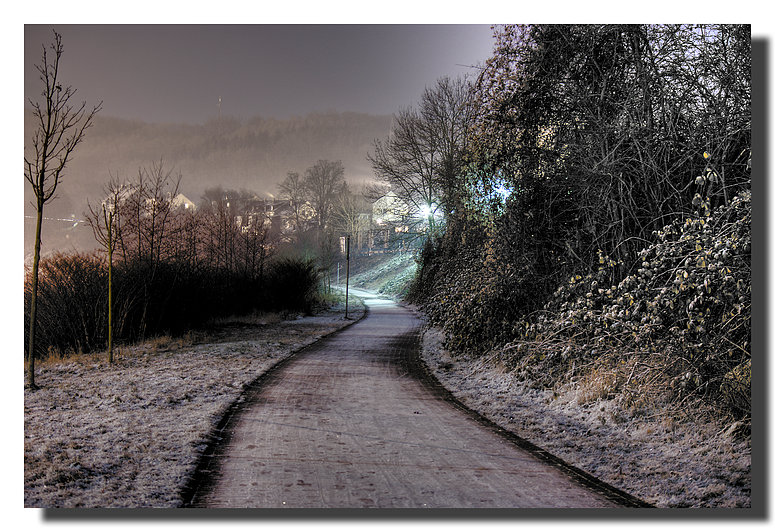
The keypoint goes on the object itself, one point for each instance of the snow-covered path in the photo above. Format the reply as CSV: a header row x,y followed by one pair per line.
x,y
129,434
348,423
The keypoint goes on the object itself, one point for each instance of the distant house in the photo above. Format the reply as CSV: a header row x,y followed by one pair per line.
x,y
390,210
390,218
307,212
285,213
182,202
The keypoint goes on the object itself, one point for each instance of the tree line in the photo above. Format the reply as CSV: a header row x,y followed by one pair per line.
x,y
571,150
165,265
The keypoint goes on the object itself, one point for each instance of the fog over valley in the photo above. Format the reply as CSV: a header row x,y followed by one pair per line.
x,y
236,106
253,154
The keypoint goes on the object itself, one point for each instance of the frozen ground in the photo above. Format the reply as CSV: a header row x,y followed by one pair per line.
x,y
128,435
663,463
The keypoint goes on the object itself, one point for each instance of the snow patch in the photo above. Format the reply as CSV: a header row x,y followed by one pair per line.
x,y
654,459
129,434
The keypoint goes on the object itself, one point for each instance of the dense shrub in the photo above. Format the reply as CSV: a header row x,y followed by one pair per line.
x,y
474,290
153,300
673,326
72,303
292,284
677,328
579,134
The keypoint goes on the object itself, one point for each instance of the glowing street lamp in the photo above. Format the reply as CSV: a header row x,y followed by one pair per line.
x,y
430,211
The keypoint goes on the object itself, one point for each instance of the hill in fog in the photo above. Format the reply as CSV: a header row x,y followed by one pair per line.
x,y
253,154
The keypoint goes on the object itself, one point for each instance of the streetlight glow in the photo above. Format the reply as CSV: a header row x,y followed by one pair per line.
x,y
426,211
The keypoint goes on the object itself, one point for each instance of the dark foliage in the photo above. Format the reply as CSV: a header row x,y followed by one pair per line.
x,y
587,140
72,312
292,284
677,327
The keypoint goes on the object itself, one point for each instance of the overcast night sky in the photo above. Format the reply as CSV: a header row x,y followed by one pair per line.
x,y
159,73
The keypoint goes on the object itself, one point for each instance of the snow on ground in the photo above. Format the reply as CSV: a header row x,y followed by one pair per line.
x,y
129,434
661,462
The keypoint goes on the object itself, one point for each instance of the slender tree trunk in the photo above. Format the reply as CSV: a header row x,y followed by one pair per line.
x,y
34,302
60,129
110,300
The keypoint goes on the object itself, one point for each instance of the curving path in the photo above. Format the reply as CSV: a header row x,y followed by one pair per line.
x,y
351,422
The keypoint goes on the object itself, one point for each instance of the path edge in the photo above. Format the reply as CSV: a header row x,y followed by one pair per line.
x,y
423,372
200,480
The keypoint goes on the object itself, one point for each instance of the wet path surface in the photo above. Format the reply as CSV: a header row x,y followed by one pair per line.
x,y
348,423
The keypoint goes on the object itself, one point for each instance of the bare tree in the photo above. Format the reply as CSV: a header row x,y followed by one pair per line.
x,y
105,224
323,181
144,237
254,245
60,128
346,215
235,233
184,228
422,158
219,228
292,189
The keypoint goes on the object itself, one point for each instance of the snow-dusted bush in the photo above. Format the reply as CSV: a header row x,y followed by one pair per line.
x,y
676,329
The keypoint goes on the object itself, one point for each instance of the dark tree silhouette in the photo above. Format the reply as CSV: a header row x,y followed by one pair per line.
x,y
421,160
323,182
60,128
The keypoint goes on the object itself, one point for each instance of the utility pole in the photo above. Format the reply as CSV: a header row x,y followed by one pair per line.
x,y
347,283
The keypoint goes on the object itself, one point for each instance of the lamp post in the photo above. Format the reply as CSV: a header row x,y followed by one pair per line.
x,y
347,277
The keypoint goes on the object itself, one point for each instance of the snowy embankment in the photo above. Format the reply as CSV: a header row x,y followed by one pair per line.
x,y
662,462
129,434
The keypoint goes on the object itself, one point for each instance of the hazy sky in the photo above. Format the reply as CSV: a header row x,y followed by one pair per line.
x,y
160,73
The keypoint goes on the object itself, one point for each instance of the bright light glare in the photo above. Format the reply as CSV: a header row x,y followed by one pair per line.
x,y
426,211
502,191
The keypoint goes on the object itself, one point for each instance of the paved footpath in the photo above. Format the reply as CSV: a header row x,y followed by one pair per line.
x,y
347,423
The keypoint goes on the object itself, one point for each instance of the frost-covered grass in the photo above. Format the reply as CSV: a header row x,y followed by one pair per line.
x,y
129,434
661,461
390,276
